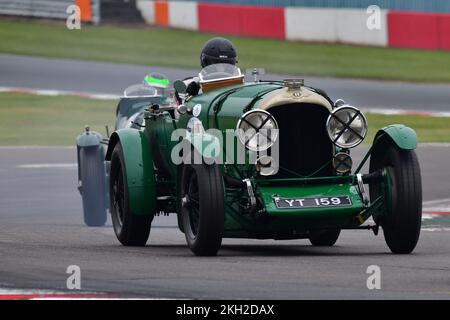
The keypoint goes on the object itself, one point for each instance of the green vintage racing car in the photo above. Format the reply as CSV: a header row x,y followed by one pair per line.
x,y
263,160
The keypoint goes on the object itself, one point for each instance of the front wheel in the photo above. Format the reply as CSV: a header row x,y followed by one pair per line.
x,y
202,208
130,229
401,224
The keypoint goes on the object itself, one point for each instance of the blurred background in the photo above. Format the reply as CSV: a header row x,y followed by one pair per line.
x,y
423,24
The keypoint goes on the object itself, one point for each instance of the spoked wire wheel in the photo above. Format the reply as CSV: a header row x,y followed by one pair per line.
x,y
191,203
202,207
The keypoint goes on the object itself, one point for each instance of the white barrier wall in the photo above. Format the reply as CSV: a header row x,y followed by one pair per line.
x,y
310,24
183,15
334,25
147,9
351,25
306,24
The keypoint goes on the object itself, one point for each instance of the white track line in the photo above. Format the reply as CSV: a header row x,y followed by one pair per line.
x,y
406,112
437,201
45,92
47,165
106,96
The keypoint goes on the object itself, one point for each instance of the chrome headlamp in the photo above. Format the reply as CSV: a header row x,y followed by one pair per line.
x,y
257,130
346,126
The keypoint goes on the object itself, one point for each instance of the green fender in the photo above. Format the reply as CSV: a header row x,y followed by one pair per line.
x,y
139,169
404,137
207,145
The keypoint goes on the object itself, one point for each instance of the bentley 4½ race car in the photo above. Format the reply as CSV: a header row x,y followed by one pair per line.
x,y
260,159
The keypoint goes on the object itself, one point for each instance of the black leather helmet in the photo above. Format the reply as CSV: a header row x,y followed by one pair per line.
x,y
218,50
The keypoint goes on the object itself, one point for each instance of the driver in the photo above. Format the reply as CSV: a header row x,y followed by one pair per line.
x,y
215,50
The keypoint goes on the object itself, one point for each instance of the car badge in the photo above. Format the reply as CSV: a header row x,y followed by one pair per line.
x,y
197,110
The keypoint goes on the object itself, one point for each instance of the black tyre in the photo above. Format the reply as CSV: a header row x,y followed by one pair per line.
x,y
131,230
324,238
93,186
401,225
202,208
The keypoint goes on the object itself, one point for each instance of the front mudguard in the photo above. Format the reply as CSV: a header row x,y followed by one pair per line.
x,y
197,149
404,138
400,135
206,145
139,169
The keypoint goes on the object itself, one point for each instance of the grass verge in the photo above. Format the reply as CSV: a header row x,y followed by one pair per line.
x,y
27,119
176,48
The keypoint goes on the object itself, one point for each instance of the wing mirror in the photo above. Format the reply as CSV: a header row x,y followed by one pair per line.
x,y
179,86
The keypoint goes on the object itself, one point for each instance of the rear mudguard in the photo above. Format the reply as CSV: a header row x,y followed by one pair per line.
x,y
139,169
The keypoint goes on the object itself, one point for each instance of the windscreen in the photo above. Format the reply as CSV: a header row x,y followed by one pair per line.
x,y
140,91
219,71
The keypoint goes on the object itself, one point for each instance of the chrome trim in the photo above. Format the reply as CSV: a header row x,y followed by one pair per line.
x,y
362,190
362,115
244,116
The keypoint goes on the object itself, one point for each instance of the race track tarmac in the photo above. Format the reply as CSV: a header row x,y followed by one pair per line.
x,y
42,233
101,77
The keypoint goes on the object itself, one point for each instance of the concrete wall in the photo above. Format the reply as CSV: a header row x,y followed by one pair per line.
x,y
400,29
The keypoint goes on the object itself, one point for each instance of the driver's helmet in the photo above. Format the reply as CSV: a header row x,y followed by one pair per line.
x,y
218,50
159,82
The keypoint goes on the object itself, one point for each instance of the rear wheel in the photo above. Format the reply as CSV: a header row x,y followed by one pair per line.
x,y
130,229
401,224
93,186
324,238
202,208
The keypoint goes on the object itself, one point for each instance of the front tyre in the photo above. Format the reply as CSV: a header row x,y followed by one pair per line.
x,y
130,229
402,223
202,208
324,238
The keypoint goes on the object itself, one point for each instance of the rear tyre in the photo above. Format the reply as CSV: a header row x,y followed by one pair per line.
x,y
202,208
131,230
324,238
401,225
93,186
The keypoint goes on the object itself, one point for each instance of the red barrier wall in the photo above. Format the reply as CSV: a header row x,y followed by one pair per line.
x,y
413,30
253,21
444,32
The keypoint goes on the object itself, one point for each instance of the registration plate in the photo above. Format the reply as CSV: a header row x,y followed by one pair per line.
x,y
312,202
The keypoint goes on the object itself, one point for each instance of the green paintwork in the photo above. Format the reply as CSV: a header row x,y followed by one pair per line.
x,y
403,136
138,168
221,109
330,190
206,144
